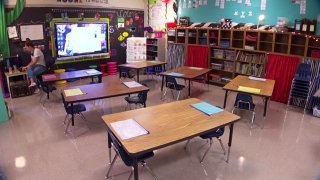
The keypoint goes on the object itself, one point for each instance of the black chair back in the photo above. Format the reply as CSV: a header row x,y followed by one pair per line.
x,y
143,96
122,153
171,82
244,101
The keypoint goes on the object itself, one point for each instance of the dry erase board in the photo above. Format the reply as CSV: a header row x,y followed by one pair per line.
x,y
34,32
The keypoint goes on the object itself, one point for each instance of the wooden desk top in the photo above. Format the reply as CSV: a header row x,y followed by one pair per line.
x,y
189,72
16,73
143,64
168,124
103,90
266,88
71,75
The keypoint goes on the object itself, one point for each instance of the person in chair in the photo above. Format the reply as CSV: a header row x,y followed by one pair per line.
x,y
37,64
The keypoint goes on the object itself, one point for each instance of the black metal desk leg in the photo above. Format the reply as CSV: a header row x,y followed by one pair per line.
x,y
135,169
189,88
230,141
100,78
72,115
162,84
109,147
225,99
164,67
265,107
138,75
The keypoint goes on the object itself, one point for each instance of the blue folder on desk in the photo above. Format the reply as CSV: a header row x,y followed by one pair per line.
x,y
175,74
207,108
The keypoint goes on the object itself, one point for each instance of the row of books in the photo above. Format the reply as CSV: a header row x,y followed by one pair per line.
x,y
251,57
250,69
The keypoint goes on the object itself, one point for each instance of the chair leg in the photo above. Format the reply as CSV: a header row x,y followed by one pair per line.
x,y
178,95
172,94
164,94
64,122
111,165
66,130
252,119
206,151
186,146
84,119
222,146
131,173
144,164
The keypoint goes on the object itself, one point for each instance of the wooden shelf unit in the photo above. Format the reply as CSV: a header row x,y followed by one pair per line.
x,y
254,42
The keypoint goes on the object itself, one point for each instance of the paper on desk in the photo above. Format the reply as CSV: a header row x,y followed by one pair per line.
x,y
207,108
73,92
92,71
317,94
249,89
129,128
175,74
49,76
195,68
132,84
257,79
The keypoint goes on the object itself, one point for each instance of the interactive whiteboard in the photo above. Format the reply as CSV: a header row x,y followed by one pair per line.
x,y
33,32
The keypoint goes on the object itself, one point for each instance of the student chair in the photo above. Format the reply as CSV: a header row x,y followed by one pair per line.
x,y
127,159
126,73
172,84
140,99
216,133
77,109
47,88
244,101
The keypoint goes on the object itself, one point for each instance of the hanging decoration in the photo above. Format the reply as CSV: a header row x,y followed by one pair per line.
x,y
217,3
205,2
195,4
200,3
303,4
190,4
166,1
184,5
221,4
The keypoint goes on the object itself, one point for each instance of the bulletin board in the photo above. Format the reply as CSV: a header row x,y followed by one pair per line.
x,y
33,32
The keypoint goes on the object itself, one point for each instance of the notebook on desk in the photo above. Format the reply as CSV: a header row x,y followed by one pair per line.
x,y
207,108
49,76
129,128
73,92
249,89
92,71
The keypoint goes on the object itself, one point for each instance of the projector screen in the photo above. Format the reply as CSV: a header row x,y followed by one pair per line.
x,y
81,38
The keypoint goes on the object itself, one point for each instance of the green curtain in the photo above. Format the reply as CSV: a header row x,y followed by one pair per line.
x,y
5,20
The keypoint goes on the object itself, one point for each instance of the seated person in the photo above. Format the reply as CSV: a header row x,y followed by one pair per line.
x,y
37,64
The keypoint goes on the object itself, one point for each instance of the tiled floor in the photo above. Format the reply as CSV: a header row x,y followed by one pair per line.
x,y
33,145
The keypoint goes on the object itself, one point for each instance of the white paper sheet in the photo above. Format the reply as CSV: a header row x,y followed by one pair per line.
x,y
132,84
257,79
129,128
92,71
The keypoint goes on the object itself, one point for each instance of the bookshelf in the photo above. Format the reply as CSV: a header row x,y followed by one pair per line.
x,y
155,49
251,63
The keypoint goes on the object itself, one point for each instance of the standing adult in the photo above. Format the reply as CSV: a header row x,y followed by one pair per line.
x,y
37,64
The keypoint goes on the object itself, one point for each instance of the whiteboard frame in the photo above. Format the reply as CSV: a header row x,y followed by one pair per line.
x,y
31,38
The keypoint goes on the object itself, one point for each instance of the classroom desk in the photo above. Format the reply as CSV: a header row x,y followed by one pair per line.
x,y
189,73
70,75
266,88
13,74
140,65
168,124
101,91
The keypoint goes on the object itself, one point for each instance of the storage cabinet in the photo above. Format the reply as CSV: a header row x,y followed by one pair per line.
x,y
155,49
266,41
222,65
282,43
238,39
298,44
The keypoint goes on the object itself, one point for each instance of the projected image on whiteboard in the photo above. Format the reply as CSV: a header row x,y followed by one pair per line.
x,y
81,38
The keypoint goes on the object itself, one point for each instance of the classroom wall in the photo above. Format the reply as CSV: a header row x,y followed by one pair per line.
x,y
274,9
130,4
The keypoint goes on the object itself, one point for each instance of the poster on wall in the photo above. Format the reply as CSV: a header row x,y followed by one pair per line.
x,y
83,2
157,13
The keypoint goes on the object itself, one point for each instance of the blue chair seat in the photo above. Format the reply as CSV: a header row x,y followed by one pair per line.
x,y
76,108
